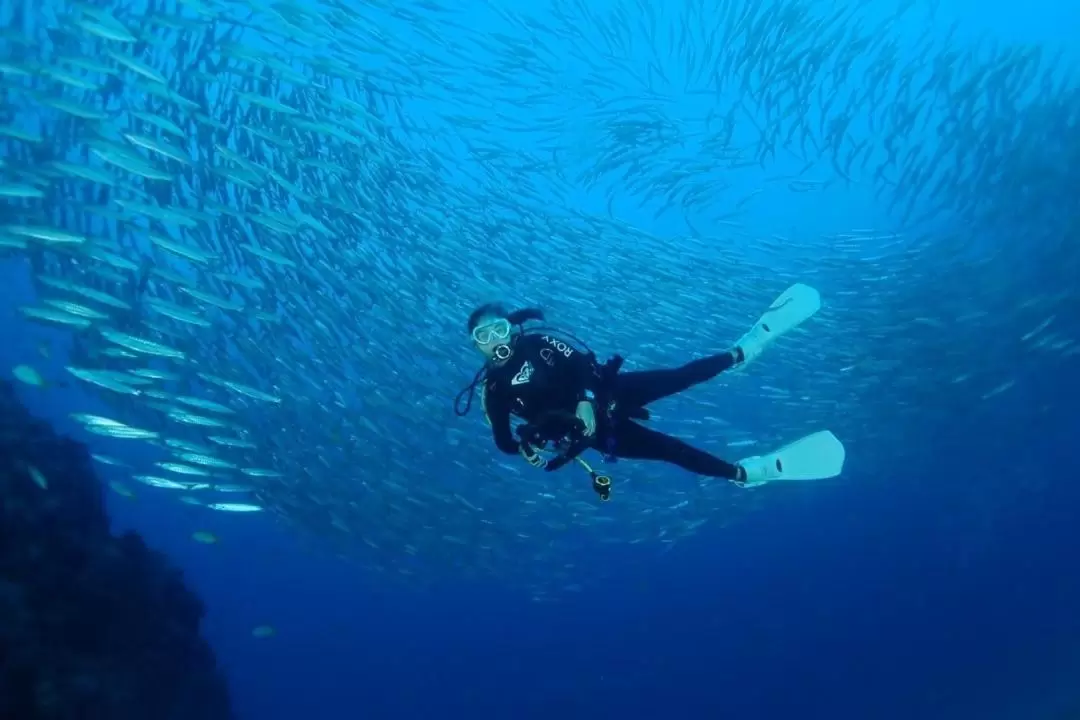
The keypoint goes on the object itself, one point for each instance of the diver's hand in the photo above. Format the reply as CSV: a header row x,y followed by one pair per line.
x,y
531,456
587,415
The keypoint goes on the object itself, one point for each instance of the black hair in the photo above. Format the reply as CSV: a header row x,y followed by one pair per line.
x,y
491,309
496,309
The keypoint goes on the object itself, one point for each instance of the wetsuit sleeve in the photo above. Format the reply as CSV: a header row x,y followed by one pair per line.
x,y
498,414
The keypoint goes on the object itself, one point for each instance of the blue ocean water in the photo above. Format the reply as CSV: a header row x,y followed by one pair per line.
x,y
934,579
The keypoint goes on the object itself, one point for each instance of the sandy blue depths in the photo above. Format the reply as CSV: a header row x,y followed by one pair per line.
x,y
254,231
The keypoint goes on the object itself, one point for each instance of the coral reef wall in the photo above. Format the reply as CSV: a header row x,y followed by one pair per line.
x,y
92,626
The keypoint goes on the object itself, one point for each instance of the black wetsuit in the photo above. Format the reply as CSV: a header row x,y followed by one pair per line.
x,y
545,375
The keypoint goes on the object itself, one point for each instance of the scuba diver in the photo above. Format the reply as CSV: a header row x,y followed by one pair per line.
x,y
567,399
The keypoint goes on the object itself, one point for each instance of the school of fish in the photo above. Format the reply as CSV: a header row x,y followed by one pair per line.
x,y
256,228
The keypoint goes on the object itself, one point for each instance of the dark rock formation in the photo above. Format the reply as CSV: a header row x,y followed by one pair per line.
x,y
92,626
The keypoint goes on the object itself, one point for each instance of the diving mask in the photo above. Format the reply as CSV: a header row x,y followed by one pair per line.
x,y
496,330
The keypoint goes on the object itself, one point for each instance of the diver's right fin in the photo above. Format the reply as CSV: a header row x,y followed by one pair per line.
x,y
815,457
794,306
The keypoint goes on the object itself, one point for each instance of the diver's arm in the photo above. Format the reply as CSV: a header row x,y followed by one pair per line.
x,y
498,414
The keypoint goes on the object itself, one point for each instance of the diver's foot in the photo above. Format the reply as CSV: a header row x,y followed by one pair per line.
x,y
758,470
753,343
740,476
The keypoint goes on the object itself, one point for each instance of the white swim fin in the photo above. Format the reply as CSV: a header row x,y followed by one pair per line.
x,y
794,306
814,457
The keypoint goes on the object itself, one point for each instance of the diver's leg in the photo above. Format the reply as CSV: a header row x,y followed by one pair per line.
x,y
641,443
638,389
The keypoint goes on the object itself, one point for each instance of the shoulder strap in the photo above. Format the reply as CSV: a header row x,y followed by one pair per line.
x,y
483,402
